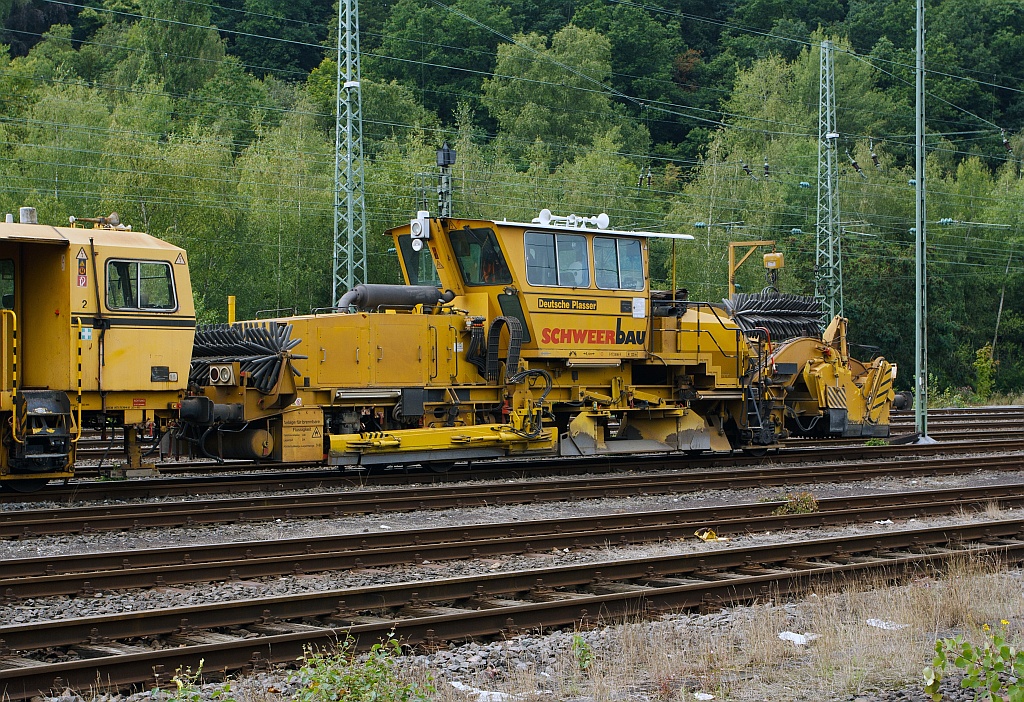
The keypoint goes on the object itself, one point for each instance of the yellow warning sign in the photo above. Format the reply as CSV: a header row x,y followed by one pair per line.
x,y
302,435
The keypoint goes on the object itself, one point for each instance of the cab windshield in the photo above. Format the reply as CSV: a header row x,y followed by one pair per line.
x,y
479,256
418,264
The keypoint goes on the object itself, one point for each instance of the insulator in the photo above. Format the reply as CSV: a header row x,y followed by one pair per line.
x,y
855,165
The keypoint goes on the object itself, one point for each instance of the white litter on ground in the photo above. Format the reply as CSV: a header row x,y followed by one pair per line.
x,y
888,626
797,639
481,695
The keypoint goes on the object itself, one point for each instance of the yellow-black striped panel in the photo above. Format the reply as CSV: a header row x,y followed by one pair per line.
x,y
835,398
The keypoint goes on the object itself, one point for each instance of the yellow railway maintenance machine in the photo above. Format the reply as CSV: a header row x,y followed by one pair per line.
x,y
509,339
97,326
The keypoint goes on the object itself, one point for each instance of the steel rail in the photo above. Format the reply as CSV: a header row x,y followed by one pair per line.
x,y
300,478
451,609
30,523
957,411
86,574
960,434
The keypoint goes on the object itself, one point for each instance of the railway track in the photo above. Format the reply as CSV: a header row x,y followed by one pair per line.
x,y
134,648
969,412
67,520
84,574
299,478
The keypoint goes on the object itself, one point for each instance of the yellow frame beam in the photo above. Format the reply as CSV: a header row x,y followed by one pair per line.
x,y
733,265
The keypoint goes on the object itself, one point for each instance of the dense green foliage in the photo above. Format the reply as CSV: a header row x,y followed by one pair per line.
x,y
211,124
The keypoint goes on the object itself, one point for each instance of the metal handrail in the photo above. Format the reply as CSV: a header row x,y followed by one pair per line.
x,y
14,372
277,309
78,397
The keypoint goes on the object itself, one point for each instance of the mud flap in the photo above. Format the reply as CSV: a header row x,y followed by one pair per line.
x,y
681,432
838,422
585,436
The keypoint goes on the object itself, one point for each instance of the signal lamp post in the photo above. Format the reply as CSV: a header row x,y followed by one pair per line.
x,y
445,161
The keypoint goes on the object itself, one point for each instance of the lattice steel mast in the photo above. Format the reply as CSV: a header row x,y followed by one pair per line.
x,y
349,197
921,248
828,262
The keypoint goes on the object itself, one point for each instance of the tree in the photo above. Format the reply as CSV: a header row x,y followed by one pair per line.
x,y
175,43
540,16
555,93
281,37
868,21
600,180
25,21
389,109
390,197
184,190
781,27
652,65
231,102
440,54
59,163
285,183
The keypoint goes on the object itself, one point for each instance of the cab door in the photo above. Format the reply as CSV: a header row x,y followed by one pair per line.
x,y
140,325
45,317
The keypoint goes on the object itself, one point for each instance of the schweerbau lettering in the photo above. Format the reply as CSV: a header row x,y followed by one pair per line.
x,y
593,337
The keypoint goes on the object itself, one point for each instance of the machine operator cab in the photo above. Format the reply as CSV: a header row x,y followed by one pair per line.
x,y
96,328
579,290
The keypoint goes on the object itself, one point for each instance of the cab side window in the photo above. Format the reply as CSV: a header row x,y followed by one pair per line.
x,y
6,284
606,263
419,264
631,264
618,264
540,259
140,285
557,259
573,263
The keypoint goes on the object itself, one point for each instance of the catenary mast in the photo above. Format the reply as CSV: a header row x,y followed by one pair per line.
x,y
828,262
349,196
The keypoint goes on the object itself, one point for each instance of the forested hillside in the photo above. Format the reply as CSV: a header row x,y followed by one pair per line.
x,y
211,124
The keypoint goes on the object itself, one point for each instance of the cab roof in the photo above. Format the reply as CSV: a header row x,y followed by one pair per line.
x,y
69,236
